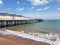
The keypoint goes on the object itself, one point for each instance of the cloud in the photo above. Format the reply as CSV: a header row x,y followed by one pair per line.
x,y
57,0
32,7
39,2
1,2
9,8
45,8
46,16
24,2
18,2
52,15
58,9
20,9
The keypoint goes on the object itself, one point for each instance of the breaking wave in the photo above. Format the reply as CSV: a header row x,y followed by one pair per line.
x,y
52,39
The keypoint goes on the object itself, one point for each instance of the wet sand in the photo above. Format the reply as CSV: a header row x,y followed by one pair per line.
x,y
5,40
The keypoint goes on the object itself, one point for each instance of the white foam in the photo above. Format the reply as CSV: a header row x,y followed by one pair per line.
x,y
53,39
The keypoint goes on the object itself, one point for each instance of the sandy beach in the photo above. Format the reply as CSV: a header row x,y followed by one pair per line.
x,y
10,37
4,40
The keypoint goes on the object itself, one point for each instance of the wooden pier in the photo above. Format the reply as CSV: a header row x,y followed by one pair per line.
x,y
13,20
5,23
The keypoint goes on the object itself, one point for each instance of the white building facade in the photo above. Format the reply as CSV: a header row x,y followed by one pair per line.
x,y
6,16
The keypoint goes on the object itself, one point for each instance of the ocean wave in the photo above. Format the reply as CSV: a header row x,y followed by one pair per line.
x,y
51,38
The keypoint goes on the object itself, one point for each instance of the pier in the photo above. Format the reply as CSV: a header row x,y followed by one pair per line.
x,y
13,20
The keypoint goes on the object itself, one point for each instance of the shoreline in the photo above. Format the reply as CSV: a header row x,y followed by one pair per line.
x,y
52,39
4,40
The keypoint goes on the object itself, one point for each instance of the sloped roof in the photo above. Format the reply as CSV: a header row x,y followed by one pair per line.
x,y
6,14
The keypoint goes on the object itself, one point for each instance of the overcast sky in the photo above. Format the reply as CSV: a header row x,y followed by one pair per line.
x,y
45,9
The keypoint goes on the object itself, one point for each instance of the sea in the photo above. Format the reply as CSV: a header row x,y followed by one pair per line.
x,y
46,25
52,26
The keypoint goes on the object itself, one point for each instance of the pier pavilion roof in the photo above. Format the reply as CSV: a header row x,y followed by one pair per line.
x,y
6,14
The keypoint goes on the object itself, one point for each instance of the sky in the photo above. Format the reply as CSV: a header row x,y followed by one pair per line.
x,y
42,9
